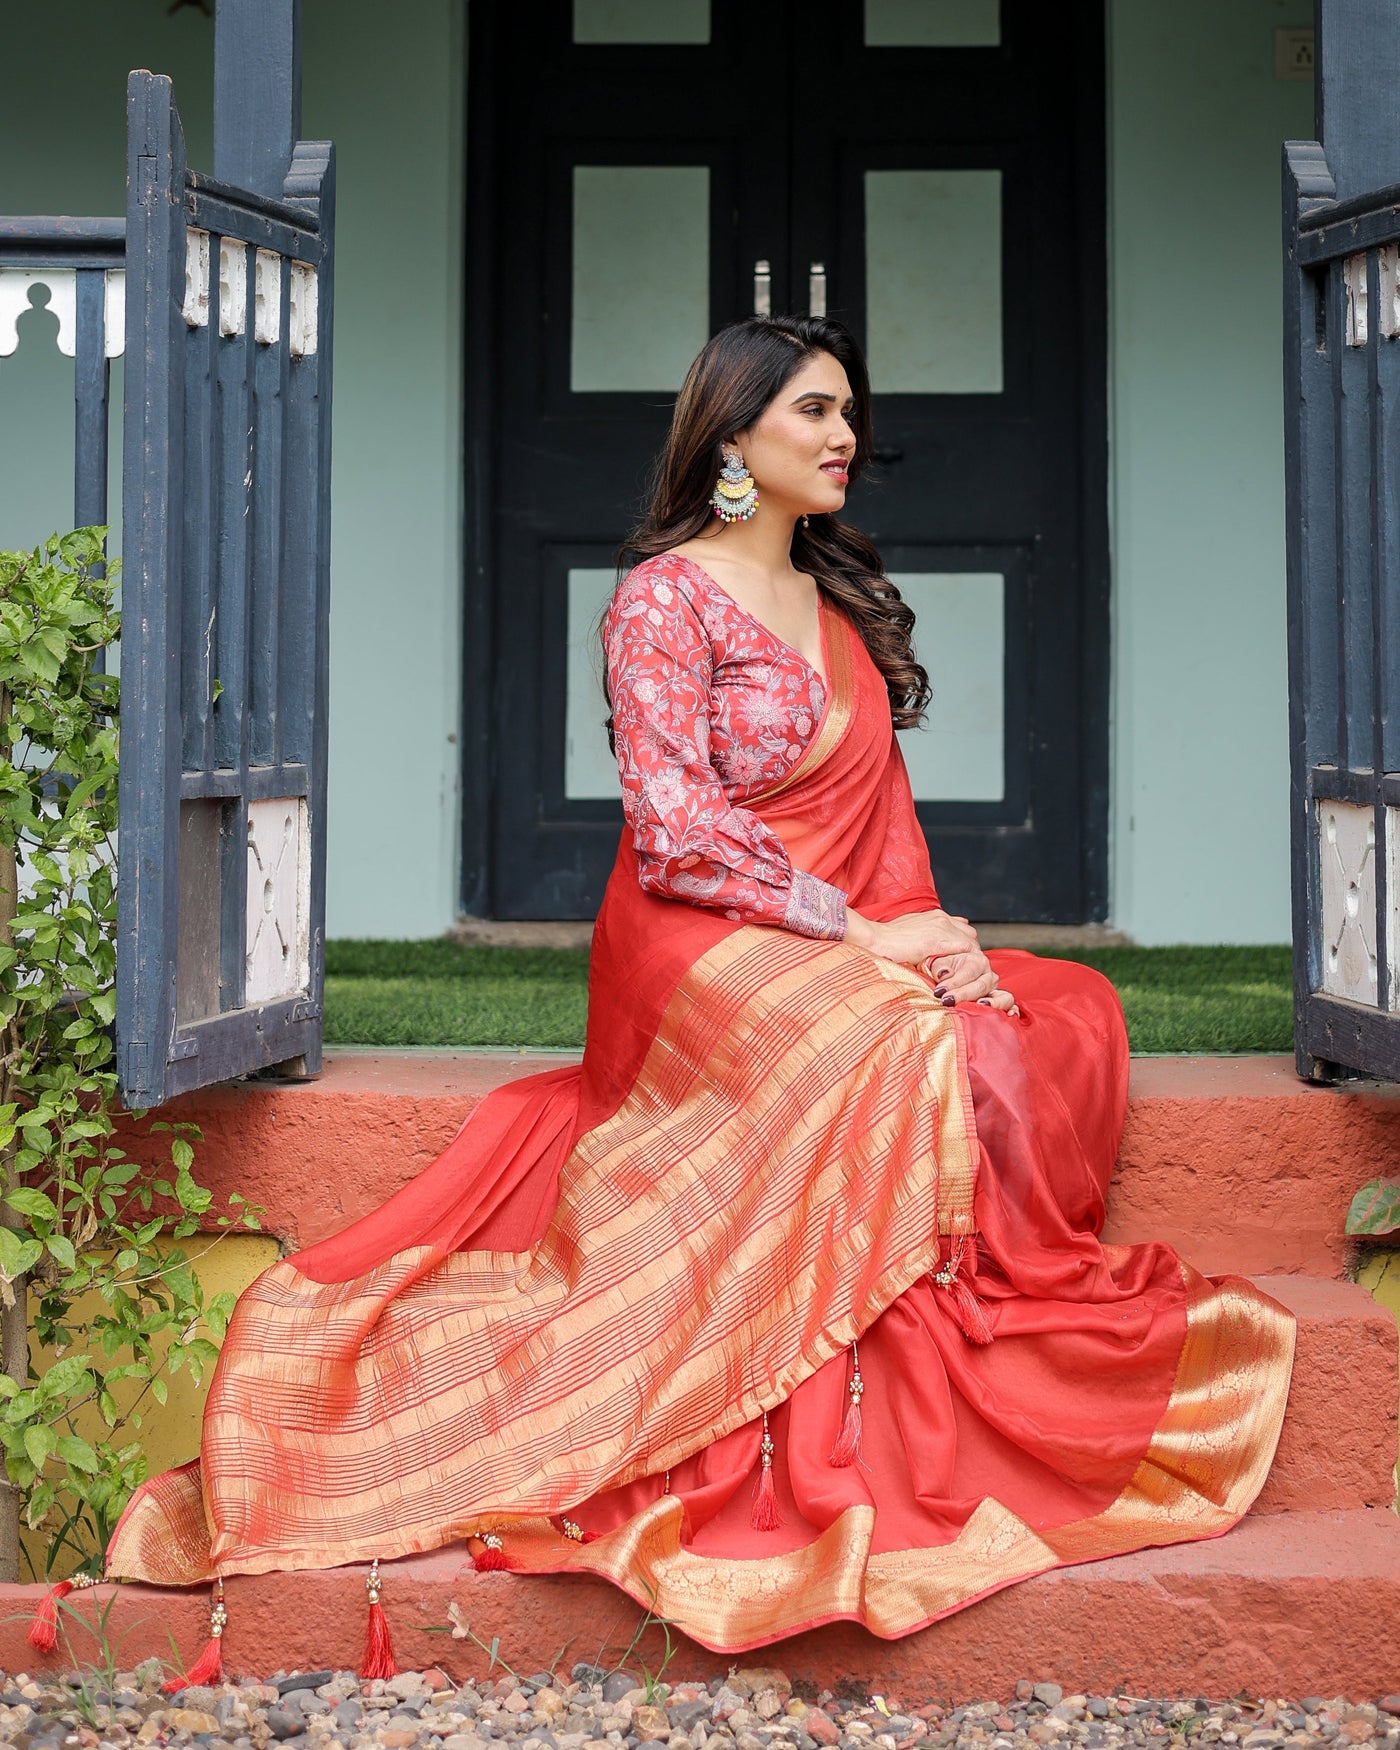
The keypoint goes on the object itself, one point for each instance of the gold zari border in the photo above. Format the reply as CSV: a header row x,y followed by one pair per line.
x,y
1204,1466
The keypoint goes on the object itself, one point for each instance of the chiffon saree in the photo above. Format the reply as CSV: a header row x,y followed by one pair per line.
x,y
792,1219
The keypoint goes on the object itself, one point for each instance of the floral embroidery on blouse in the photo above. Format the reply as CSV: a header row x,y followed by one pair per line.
x,y
708,708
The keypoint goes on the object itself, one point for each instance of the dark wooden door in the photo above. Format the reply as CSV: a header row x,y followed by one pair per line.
x,y
945,199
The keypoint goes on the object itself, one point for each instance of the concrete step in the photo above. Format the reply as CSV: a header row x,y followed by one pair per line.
x,y
1338,1445
1241,1166
1284,1605
1232,1160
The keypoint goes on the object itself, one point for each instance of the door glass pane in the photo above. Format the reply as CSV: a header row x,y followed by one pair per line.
x,y
589,768
958,754
933,281
913,24
641,21
641,274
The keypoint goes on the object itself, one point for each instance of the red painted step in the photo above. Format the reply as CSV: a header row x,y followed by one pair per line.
x,y
1338,1445
1285,1604
1232,1160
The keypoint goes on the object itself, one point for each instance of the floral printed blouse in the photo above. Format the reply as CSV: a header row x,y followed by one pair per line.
x,y
710,708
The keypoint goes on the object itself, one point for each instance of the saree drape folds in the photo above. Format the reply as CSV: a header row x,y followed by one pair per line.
x,y
776,1146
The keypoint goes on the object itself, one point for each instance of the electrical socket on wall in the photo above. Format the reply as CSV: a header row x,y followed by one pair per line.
x,y
1293,54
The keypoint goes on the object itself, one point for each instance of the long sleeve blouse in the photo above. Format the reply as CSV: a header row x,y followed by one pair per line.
x,y
708,708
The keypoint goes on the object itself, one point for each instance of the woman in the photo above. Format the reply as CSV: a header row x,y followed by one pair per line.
x,y
787,1305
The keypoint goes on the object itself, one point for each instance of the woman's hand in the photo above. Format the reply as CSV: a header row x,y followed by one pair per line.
x,y
968,977
921,935
943,946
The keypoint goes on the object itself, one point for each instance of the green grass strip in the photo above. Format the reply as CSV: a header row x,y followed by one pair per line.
x,y
435,992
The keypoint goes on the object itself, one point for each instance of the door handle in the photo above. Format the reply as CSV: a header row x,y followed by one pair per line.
x,y
762,289
816,289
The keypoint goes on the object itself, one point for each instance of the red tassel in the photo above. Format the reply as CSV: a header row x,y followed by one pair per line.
x,y
967,1309
43,1631
209,1666
491,1558
847,1448
766,1516
379,1649
971,1314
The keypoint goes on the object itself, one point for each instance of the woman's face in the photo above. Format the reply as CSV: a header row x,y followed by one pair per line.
x,y
800,447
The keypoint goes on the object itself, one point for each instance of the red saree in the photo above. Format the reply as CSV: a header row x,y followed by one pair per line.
x,y
565,1334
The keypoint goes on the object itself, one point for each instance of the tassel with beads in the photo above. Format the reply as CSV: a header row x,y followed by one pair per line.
x,y
43,1631
491,1557
847,1448
379,1649
766,1516
209,1666
575,1532
967,1309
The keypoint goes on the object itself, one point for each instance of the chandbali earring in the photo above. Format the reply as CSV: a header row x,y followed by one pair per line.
x,y
735,496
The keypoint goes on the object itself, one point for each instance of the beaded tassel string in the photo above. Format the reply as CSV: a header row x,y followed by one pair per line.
x,y
379,1658
967,1309
43,1631
847,1447
209,1666
766,1516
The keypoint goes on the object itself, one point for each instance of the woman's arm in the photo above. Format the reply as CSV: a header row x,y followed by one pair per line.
x,y
691,843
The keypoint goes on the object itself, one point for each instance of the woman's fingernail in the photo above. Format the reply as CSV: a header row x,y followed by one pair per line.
x,y
949,1002
938,990
985,1002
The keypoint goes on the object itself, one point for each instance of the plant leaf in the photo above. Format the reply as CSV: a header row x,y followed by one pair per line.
x,y
1375,1209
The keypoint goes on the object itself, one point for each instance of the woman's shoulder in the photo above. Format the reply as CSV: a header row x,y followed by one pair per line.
x,y
664,586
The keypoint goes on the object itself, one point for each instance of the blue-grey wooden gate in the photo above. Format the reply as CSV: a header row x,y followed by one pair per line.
x,y
226,526
1342,460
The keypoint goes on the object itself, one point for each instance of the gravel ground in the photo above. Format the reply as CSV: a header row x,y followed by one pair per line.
x,y
597,1710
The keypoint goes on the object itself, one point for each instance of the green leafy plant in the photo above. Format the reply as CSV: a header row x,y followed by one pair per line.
x,y
1375,1210
92,1265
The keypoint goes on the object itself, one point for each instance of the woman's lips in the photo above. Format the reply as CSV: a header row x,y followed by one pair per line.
x,y
836,470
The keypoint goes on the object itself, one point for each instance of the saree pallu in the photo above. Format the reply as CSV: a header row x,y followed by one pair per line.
x,y
786,1183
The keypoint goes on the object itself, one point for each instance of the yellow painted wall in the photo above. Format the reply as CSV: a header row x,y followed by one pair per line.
x,y
1379,1271
170,1435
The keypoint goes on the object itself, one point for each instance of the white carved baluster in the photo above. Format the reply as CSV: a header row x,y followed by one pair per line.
x,y
302,309
1354,278
267,298
196,310
114,312
1388,289
16,283
233,286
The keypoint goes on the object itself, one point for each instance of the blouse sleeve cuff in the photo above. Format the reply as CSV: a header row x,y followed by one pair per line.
x,y
815,908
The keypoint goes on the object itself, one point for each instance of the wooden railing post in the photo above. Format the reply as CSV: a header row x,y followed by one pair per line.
x,y
257,92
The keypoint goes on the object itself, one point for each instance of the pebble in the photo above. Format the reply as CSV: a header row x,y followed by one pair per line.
x,y
753,1708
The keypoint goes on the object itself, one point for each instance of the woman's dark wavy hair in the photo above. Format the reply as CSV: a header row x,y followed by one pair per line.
x,y
735,377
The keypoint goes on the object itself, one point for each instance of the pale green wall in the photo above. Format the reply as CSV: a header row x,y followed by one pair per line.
x,y
391,97
1200,785
1199,829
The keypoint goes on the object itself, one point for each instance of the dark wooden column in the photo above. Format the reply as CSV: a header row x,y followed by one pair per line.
x,y
257,92
1358,75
